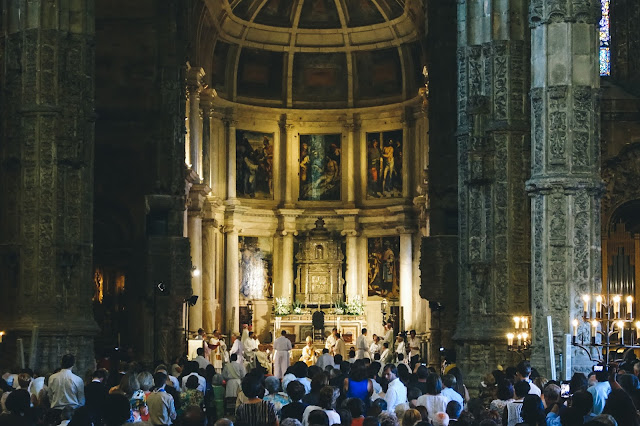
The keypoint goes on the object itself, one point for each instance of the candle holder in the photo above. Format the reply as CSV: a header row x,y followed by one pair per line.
x,y
607,316
519,340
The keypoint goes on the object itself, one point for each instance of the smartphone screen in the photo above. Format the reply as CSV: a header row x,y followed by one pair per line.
x,y
564,390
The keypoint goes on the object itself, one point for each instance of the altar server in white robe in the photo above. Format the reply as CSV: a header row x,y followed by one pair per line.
x,y
281,361
233,373
362,345
237,347
330,343
250,349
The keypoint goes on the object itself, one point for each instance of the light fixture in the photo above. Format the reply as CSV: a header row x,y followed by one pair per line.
x,y
2,333
250,306
384,305
195,272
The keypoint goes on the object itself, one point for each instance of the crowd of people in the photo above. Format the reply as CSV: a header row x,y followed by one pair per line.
x,y
358,391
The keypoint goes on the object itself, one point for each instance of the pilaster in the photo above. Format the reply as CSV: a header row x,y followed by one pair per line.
x,y
352,128
565,185
288,230
206,105
351,232
230,125
194,134
290,155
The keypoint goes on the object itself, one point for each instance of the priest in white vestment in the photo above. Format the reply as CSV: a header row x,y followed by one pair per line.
x,y
341,348
233,373
237,347
362,345
250,349
281,360
218,351
330,342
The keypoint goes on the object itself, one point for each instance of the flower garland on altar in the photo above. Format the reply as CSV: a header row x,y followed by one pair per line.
x,y
282,306
354,306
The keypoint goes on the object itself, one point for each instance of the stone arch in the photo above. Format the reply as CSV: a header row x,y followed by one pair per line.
x,y
621,175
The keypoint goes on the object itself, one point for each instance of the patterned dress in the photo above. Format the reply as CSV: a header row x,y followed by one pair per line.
x,y
261,413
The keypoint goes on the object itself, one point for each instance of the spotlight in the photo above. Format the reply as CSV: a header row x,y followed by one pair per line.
x,y
195,272
191,301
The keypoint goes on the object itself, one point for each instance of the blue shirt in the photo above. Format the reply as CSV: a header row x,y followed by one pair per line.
x,y
600,392
453,395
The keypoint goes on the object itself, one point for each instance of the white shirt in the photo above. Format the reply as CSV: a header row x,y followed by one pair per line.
x,y
282,344
434,404
414,343
362,347
374,348
202,382
534,390
453,395
324,360
36,386
202,361
396,394
330,342
66,389
238,349
400,348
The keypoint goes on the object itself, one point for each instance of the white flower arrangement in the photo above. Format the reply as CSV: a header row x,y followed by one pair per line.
x,y
282,306
297,308
355,306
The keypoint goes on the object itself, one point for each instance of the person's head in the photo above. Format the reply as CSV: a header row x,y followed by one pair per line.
x,y
532,410
376,407
312,371
318,382
334,331
523,370
385,345
300,369
400,357
412,333
193,416
376,338
223,422
337,359
422,372
411,417
345,416
295,390
309,341
68,360
441,419
18,401
145,379
200,332
521,389
233,357
251,386
364,331
629,383
454,409
449,381
290,421
413,393
620,405
192,382
200,351
390,372
283,333
129,384
582,401
117,409
388,419
434,384
551,394
345,368
318,418
505,390
355,406
24,379
327,398
325,351
100,374
159,379
578,382
352,353
272,384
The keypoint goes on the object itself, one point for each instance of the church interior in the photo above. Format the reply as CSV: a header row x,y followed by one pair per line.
x,y
167,166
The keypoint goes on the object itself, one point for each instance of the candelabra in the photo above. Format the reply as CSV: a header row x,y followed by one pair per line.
x,y
607,316
521,335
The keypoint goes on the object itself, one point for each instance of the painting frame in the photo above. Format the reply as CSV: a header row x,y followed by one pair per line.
x,y
320,167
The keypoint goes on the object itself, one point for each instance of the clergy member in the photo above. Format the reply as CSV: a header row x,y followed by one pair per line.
x,y
330,343
281,346
340,347
388,334
362,345
250,349
237,347
218,349
375,346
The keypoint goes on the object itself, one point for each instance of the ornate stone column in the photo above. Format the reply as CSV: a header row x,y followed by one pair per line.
x,y
230,124
406,276
352,128
197,197
209,273
493,164
565,184
206,104
351,232
288,231
46,181
289,153
194,87
233,213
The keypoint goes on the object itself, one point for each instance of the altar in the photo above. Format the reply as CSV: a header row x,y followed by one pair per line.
x,y
298,327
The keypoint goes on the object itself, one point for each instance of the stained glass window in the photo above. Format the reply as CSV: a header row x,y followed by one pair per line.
x,y
605,40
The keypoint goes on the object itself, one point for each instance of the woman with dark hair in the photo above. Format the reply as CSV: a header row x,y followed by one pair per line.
x,y
620,406
578,382
319,381
358,385
18,413
255,411
532,412
504,395
433,400
327,403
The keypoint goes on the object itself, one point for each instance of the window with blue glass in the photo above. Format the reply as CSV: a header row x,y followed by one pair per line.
x,y
605,40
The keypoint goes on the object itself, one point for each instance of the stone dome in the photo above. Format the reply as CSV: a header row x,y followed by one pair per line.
x,y
317,53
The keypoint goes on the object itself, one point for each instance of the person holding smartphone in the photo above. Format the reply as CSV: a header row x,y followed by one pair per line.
x,y
600,391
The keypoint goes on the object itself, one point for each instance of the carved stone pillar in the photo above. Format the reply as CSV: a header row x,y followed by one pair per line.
x,y
352,128
289,216
46,181
194,87
197,197
565,179
406,277
206,104
233,284
351,232
231,124
289,154
493,164
209,272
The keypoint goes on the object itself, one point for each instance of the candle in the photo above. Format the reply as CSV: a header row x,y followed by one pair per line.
x,y
575,328
1,335
585,299
519,339
510,339
598,306
616,306
517,321
525,322
338,323
637,330
594,330
629,307
621,331
525,336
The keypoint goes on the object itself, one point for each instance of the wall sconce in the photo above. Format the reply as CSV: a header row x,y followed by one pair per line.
x,y
195,272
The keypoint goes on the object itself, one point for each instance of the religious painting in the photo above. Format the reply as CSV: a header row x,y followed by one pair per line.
x,y
260,74
363,12
319,77
320,174
319,14
383,254
254,165
256,267
384,164
379,74
276,13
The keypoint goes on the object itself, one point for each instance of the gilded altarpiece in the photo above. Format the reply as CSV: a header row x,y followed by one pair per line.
x,y
319,259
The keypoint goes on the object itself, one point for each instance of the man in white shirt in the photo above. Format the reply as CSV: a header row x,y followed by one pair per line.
x,y
397,391
386,357
282,346
325,359
200,359
388,334
523,372
233,373
362,345
330,343
193,367
237,347
400,348
65,388
449,381
414,348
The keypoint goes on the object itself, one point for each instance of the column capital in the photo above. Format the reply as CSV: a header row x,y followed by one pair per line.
x,y
403,230
554,11
206,100
350,233
194,78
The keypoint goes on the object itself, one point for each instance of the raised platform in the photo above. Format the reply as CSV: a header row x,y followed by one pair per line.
x,y
300,326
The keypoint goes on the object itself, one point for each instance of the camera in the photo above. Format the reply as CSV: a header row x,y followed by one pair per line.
x,y
600,368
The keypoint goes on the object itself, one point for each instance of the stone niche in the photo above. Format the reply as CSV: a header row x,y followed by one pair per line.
x,y
320,282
